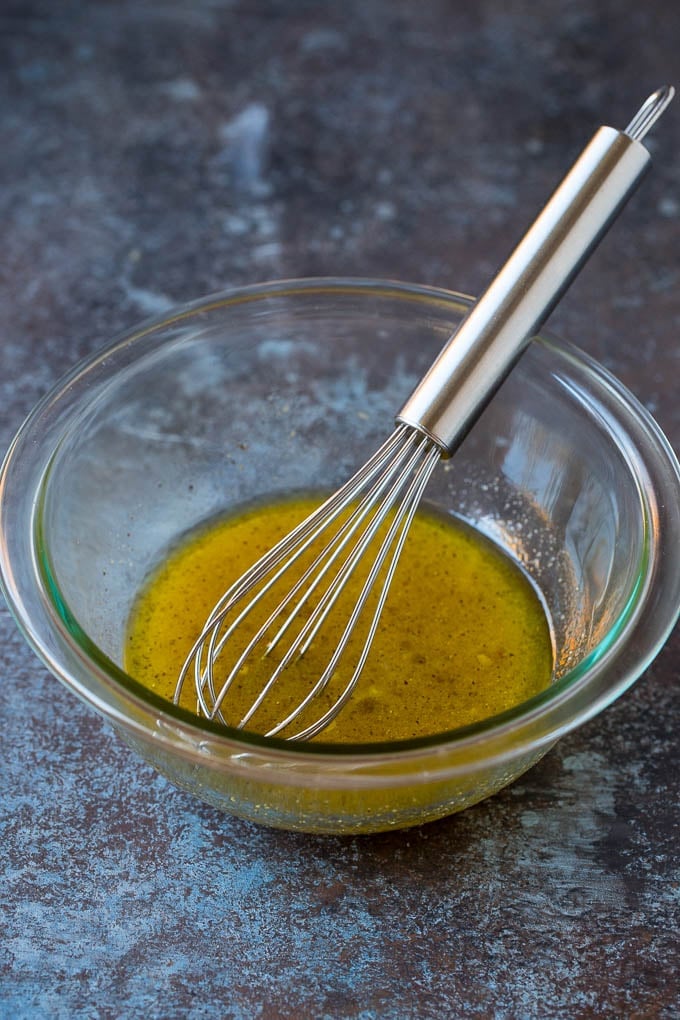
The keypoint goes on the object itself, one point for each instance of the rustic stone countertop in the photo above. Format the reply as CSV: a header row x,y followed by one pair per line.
x,y
152,152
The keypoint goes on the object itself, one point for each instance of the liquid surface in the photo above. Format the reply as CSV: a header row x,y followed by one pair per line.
x,y
463,635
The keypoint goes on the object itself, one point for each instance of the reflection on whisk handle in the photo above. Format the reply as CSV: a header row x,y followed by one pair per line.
x,y
481,353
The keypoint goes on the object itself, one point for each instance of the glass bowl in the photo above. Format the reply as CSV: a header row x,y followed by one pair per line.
x,y
290,386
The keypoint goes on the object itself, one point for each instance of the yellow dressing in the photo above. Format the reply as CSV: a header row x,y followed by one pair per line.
x,y
463,635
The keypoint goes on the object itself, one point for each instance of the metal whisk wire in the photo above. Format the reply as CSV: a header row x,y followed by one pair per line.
x,y
392,480
386,491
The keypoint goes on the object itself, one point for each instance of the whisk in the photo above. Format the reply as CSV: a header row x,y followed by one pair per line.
x,y
363,526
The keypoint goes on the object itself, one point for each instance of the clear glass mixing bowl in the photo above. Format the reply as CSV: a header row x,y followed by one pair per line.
x,y
291,386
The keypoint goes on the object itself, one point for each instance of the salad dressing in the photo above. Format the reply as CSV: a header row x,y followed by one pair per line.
x,y
463,635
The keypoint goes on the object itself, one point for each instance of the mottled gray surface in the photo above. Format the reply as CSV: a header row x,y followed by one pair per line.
x,y
152,152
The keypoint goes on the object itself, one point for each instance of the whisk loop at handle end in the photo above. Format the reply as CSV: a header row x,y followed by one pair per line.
x,y
650,111
361,529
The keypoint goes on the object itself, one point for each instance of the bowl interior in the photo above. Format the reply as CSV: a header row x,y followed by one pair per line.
x,y
268,393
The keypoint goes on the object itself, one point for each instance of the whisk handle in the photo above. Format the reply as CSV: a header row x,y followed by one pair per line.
x,y
481,353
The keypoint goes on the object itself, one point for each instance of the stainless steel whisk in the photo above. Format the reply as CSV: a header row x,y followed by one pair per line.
x,y
383,496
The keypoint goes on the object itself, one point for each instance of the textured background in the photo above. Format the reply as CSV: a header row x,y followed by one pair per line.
x,y
152,152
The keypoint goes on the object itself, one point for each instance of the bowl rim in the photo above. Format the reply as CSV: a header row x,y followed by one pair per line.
x,y
518,730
